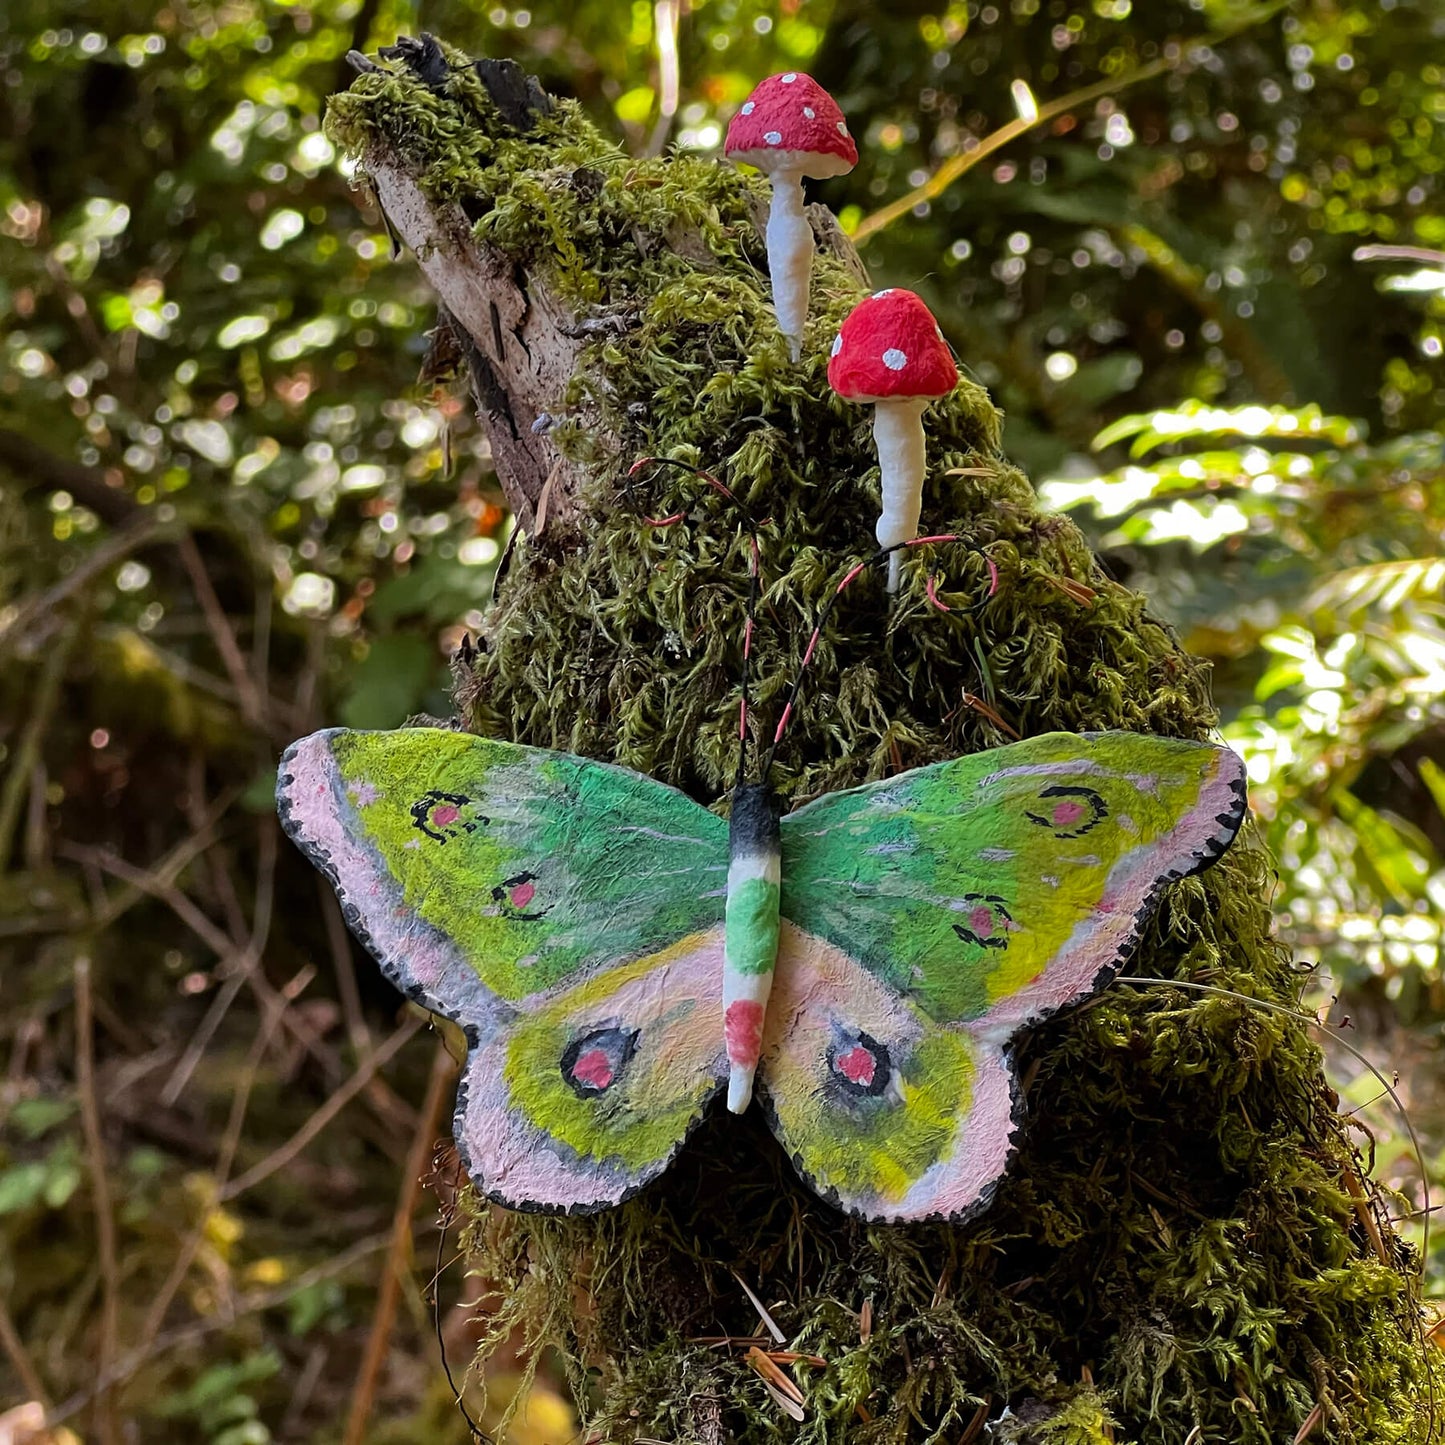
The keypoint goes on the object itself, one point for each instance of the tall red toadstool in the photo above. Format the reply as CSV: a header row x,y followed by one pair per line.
x,y
789,128
890,352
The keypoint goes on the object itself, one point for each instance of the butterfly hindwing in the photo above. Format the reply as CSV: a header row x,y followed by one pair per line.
x,y
510,888
871,1098
978,895
585,1093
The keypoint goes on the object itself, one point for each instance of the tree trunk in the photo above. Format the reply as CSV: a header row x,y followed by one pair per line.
x,y
1181,1250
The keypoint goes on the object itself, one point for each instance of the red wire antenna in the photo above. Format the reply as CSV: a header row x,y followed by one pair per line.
x,y
754,583
823,613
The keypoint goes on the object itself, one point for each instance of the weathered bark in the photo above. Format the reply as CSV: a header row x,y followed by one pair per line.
x,y
524,343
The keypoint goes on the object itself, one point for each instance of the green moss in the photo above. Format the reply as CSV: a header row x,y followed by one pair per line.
x,y
1176,1248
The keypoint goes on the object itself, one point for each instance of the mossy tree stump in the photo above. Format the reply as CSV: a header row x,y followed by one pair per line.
x,y
1182,1251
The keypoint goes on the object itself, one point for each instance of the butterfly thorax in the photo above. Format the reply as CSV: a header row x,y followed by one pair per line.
x,y
751,927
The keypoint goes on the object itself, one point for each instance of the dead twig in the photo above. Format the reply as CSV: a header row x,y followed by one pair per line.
x,y
230,1141
338,940
1177,56
252,704
279,1158
397,1255
248,1304
106,1424
16,789
19,1357
105,554
246,964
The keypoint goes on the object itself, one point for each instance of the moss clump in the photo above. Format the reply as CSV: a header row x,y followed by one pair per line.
x,y
1176,1255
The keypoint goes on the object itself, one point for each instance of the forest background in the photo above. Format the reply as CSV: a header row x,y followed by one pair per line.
x,y
1196,251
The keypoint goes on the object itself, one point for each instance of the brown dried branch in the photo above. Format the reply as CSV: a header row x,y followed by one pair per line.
x,y
253,705
230,1142
442,1072
279,1158
143,532
19,1357
106,1424
16,788
248,1304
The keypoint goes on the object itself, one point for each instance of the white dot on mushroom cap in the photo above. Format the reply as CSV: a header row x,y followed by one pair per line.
x,y
773,137
842,128
894,359
888,292
790,77
810,112
748,107
837,346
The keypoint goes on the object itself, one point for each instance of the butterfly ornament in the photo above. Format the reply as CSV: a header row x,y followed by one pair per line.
x,y
618,955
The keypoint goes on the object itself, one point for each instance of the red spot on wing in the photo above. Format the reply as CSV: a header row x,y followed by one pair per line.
x,y
858,1065
743,1030
446,813
593,1068
982,921
1067,814
522,895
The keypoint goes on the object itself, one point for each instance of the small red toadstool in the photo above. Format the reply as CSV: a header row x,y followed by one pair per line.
x,y
890,352
789,128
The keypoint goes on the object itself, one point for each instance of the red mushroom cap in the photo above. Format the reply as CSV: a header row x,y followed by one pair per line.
x,y
790,121
890,346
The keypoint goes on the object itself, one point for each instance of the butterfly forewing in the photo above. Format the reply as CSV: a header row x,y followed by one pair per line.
x,y
980,894
568,914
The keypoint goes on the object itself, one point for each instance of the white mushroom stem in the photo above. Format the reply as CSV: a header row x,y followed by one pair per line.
x,y
898,435
790,255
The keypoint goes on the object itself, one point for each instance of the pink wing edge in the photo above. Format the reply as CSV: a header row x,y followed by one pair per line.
x,y
1102,942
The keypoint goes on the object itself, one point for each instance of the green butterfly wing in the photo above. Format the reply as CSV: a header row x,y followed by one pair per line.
x,y
564,911
971,898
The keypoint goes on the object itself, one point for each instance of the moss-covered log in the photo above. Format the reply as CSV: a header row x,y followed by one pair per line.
x,y
1182,1251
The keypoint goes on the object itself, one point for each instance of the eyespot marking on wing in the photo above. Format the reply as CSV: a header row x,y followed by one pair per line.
x,y
989,920
593,1062
513,896
446,815
1069,811
859,1064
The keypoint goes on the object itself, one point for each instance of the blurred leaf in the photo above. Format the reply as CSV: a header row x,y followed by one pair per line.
x,y
34,1117
389,682
1398,868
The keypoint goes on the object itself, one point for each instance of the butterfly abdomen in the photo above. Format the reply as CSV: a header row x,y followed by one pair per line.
x,y
751,931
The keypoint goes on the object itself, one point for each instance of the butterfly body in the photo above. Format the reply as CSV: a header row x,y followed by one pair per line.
x,y
618,955
752,918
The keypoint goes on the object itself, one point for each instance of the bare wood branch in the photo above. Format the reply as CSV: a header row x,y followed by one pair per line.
x,y
106,1424
19,1357
230,1141
279,1158
248,1304
521,356
141,533
16,789
222,634
36,467
442,1071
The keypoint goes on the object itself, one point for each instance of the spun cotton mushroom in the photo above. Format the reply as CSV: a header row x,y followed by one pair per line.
x,y
789,128
889,352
